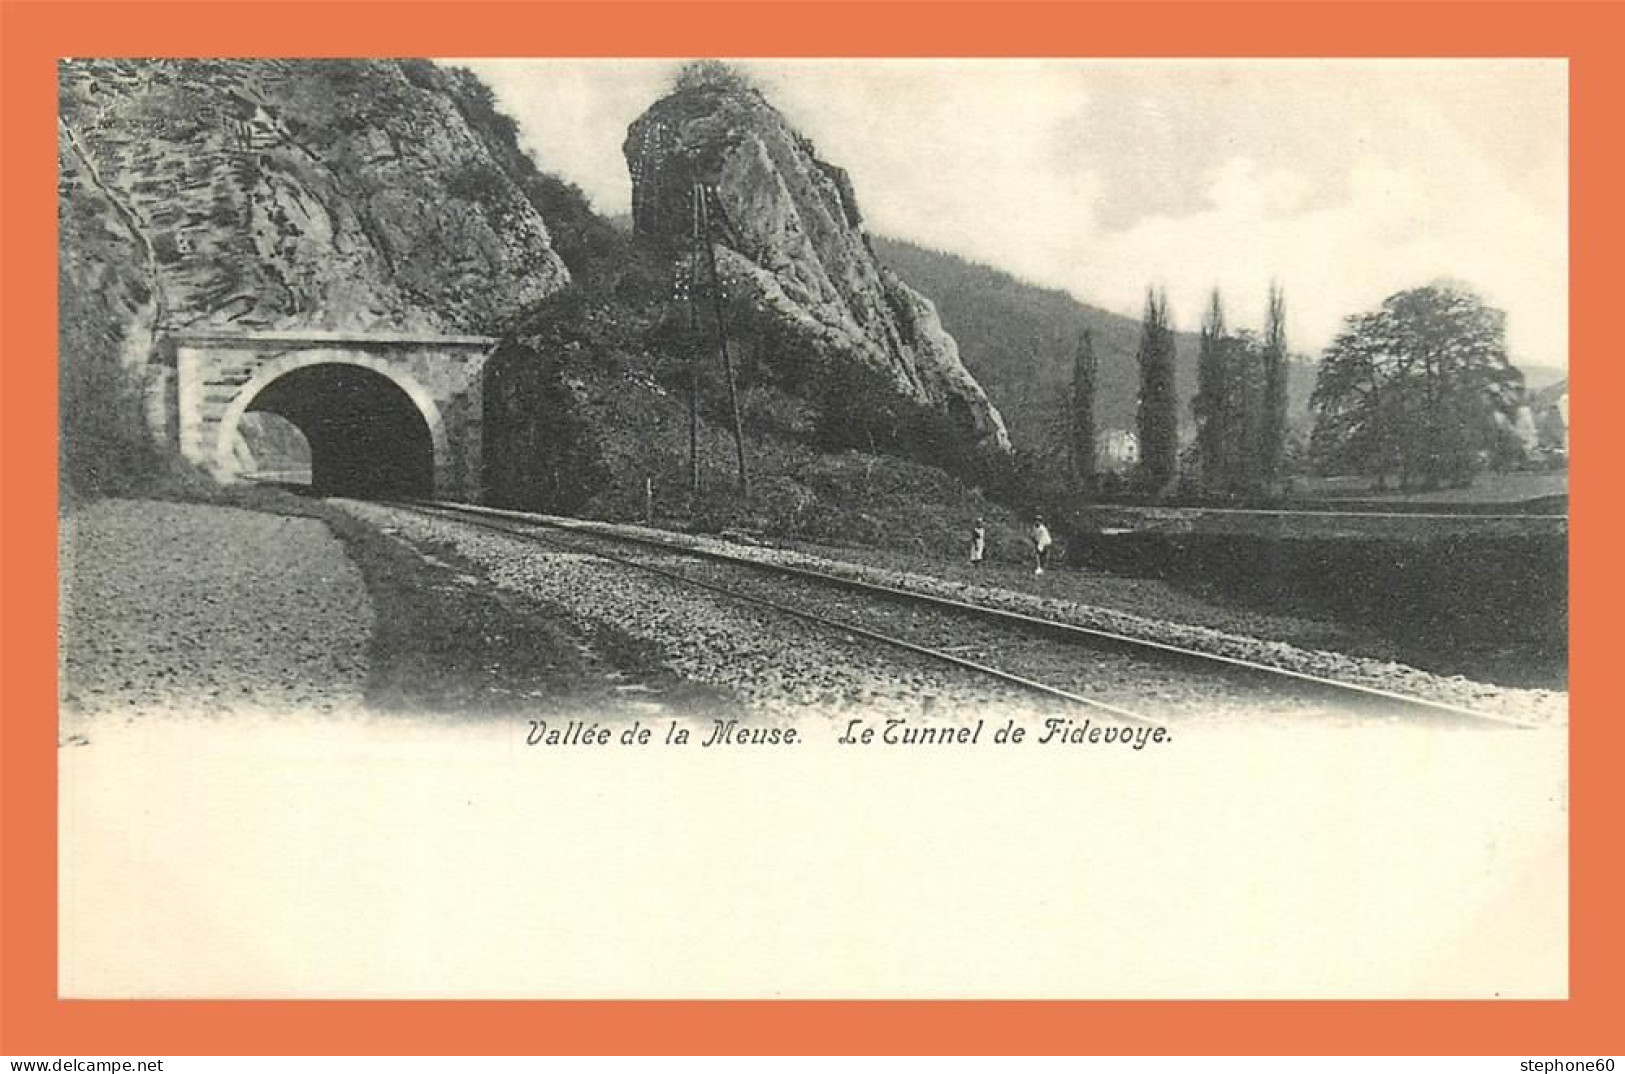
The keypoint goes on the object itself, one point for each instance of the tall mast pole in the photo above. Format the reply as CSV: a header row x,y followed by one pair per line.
x,y
694,358
702,198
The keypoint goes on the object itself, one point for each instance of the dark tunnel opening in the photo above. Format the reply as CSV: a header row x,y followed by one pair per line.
x,y
367,438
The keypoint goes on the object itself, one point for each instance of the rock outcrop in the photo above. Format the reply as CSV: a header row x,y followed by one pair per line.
x,y
322,194
795,261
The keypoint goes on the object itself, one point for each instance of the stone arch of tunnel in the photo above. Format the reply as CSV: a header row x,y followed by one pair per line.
x,y
371,429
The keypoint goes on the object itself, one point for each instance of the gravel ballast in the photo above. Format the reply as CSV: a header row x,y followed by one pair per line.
x,y
182,607
776,667
788,666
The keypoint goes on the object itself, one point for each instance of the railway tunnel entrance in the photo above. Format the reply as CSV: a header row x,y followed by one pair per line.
x,y
366,436
380,413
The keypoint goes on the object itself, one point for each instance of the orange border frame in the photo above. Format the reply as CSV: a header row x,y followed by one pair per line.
x,y
33,1021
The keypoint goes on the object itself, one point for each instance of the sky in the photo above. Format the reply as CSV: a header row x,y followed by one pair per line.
x,y
1344,180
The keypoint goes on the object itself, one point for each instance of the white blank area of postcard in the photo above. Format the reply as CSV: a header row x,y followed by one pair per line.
x,y
345,859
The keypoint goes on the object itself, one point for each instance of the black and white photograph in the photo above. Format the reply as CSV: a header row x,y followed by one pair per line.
x,y
813,528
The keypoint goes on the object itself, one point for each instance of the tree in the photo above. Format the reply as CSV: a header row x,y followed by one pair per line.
x,y
1244,400
1351,404
1230,407
1158,418
1414,389
1272,422
1214,405
1085,369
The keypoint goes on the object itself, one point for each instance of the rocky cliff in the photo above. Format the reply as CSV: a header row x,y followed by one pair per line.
x,y
792,253
293,194
394,195
267,194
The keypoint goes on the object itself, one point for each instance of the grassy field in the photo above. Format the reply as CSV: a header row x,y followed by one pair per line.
x,y
1490,610
1485,489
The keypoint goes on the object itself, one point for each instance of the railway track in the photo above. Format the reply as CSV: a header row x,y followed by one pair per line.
x,y
1026,652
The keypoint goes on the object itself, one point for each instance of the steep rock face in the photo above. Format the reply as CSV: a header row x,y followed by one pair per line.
x,y
108,314
291,194
795,260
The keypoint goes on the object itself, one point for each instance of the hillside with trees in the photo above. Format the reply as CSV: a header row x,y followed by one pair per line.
x,y
1020,341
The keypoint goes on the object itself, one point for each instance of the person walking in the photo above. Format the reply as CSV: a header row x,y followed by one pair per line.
x,y
1041,543
978,542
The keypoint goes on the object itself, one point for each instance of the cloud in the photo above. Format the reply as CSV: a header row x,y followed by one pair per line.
x,y
1239,189
1394,226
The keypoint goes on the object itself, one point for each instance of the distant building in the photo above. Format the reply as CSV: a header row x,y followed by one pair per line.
x,y
1550,409
1117,450
1523,427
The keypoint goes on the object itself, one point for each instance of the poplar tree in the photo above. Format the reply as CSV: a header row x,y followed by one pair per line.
x,y
1272,422
1214,403
1158,419
1085,368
